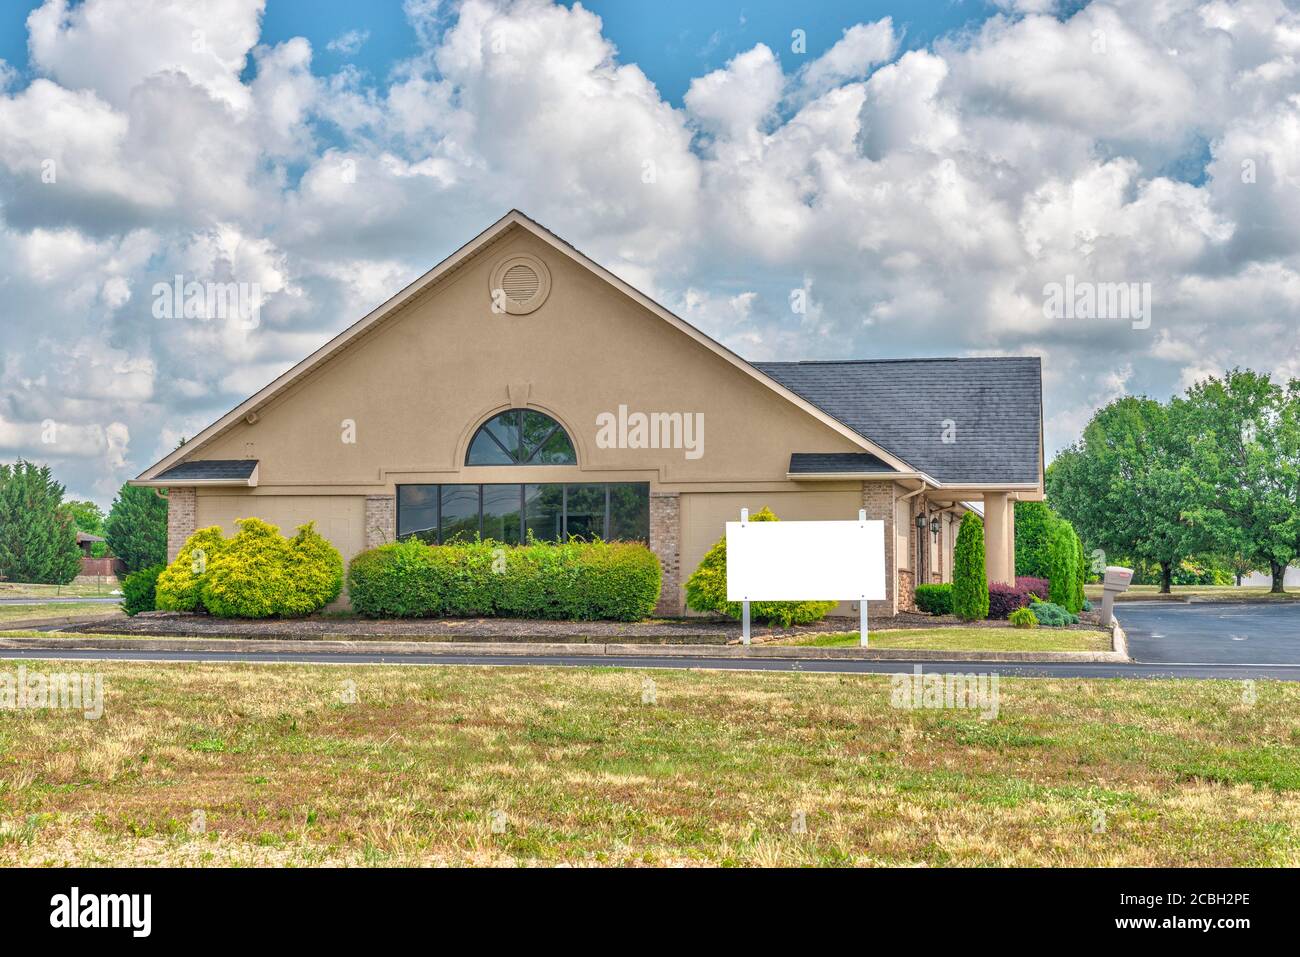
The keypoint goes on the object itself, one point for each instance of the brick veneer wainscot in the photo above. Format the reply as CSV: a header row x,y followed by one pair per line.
x,y
182,516
878,499
665,541
381,520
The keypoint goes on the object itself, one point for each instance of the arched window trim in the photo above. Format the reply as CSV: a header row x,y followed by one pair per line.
x,y
520,455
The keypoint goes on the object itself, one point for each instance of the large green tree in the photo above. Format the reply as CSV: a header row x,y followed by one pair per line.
x,y
1127,486
38,537
87,516
137,528
1244,438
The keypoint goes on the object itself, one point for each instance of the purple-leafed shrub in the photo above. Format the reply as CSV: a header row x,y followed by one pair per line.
x,y
1035,586
1004,599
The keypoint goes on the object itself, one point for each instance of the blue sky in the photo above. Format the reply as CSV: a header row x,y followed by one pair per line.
x,y
671,40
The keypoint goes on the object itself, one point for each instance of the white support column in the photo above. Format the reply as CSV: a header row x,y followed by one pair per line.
x,y
999,561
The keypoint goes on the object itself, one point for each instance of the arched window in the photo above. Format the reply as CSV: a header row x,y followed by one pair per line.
x,y
521,437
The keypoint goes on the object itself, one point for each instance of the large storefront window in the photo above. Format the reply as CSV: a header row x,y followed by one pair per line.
x,y
438,514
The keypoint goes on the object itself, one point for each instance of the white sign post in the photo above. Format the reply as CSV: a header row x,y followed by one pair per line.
x,y
803,561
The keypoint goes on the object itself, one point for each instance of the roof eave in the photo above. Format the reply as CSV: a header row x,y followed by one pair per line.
x,y
249,482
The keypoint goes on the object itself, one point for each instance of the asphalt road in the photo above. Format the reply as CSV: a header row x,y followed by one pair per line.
x,y
1214,633
817,666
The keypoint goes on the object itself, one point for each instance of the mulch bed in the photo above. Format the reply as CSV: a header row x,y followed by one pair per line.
x,y
662,631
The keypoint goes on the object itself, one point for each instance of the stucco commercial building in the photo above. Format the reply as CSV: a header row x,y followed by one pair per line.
x,y
520,388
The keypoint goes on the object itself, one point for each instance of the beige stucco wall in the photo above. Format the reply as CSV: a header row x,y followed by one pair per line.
x,y
418,387
705,514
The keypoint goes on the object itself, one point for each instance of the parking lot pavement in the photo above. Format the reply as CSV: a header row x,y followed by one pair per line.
x,y
1206,632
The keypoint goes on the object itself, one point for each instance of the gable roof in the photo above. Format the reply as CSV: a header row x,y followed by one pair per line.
x,y
385,311
993,403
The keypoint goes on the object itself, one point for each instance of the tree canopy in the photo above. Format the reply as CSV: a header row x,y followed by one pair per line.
x,y
38,536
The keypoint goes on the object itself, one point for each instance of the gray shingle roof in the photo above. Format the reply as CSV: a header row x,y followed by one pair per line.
x,y
210,469
810,463
903,405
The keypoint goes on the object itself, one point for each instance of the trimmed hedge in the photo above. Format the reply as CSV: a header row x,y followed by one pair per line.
x,y
706,590
934,599
579,581
970,592
256,574
139,590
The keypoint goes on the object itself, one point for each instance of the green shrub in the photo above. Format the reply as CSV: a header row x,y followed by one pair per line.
x,y
317,570
256,574
970,590
400,580
1080,575
706,590
575,580
180,586
1033,521
934,599
1062,560
1023,618
136,527
1052,615
139,589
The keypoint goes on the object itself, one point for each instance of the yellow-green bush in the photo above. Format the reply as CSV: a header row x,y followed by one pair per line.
x,y
180,586
706,590
256,574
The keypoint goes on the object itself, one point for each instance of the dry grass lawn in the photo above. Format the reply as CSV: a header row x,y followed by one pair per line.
x,y
93,589
500,766
70,609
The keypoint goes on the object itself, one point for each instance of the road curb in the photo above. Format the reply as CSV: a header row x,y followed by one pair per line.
x,y
534,649
1119,639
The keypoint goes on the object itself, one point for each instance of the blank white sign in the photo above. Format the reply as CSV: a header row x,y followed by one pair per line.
x,y
805,561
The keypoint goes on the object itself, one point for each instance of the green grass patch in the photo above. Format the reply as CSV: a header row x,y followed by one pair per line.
x,y
966,639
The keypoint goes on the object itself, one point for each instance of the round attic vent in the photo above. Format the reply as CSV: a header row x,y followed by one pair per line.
x,y
520,284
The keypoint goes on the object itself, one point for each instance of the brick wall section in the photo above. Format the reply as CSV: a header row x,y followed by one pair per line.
x,y
665,541
381,520
878,499
182,516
